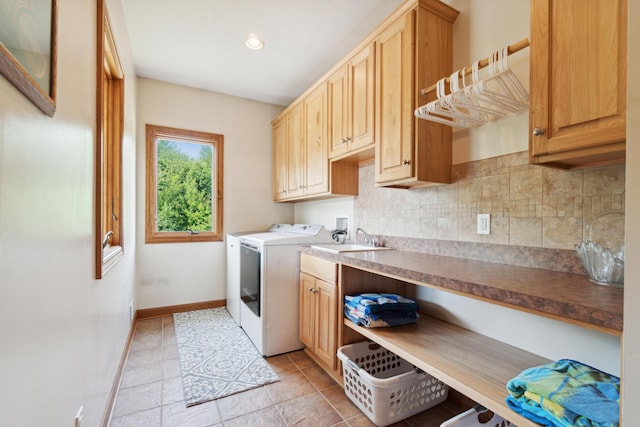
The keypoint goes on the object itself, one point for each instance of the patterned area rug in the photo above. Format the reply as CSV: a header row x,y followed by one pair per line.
x,y
216,357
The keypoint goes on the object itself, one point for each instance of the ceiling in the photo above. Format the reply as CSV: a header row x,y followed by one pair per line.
x,y
200,43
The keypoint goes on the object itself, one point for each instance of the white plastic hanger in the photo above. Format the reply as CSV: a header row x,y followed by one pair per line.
x,y
496,86
482,101
441,110
483,112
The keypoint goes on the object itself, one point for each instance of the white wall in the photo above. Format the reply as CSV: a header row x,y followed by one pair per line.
x,y
631,337
181,273
62,331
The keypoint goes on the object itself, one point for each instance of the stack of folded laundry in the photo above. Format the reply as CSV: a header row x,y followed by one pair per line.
x,y
566,393
380,310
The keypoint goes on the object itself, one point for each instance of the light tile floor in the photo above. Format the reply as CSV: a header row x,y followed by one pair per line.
x,y
150,393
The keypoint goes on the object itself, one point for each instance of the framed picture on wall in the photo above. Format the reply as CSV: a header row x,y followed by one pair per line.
x,y
28,49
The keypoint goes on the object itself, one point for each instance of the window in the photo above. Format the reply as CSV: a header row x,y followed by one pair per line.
x,y
184,186
108,163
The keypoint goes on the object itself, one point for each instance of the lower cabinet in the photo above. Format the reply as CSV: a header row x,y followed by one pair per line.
x,y
319,309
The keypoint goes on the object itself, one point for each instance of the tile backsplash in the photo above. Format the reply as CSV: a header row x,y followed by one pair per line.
x,y
531,206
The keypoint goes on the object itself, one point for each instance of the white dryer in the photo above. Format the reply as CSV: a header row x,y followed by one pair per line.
x,y
233,267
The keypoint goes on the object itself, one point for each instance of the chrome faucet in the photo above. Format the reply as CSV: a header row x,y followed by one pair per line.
x,y
368,239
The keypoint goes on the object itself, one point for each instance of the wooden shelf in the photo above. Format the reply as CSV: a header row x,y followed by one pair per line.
x,y
566,297
473,364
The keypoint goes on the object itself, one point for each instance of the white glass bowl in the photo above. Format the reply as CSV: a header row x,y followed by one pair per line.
x,y
604,266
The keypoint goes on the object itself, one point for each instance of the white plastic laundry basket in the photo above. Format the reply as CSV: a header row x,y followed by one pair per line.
x,y
470,419
384,386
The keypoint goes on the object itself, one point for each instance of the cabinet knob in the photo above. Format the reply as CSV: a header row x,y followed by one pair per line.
x,y
538,131
348,138
405,162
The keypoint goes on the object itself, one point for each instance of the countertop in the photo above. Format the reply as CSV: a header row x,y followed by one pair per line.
x,y
563,296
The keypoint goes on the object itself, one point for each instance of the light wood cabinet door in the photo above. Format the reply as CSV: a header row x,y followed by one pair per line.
x,y
326,322
318,318
319,308
279,162
351,104
316,165
307,310
411,54
578,86
361,94
338,99
295,151
394,101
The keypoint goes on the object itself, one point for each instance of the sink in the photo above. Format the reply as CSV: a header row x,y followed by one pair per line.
x,y
349,248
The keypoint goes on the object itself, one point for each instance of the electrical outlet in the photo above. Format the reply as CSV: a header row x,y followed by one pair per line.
x,y
484,223
79,416
342,223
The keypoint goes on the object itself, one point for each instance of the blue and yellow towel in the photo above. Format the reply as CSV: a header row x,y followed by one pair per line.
x,y
566,393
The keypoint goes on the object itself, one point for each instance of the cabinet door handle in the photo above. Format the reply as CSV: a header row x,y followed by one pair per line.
x,y
405,162
538,131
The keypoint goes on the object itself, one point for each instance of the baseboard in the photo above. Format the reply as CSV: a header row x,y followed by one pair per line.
x,y
147,313
111,400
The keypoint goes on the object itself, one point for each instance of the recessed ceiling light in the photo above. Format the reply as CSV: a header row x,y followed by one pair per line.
x,y
254,43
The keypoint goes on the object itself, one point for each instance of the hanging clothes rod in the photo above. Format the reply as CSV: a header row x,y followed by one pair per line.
x,y
518,46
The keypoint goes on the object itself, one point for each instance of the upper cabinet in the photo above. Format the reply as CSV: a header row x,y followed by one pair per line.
x,y
295,163
306,167
578,85
363,108
279,143
301,168
351,105
411,54
315,165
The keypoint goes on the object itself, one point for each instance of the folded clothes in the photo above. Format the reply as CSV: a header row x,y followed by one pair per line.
x,y
566,393
380,310
380,319
373,303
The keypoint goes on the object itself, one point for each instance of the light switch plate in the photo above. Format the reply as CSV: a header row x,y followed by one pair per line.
x,y
484,223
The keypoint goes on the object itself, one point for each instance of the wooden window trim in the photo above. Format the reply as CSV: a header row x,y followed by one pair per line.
x,y
108,147
153,132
